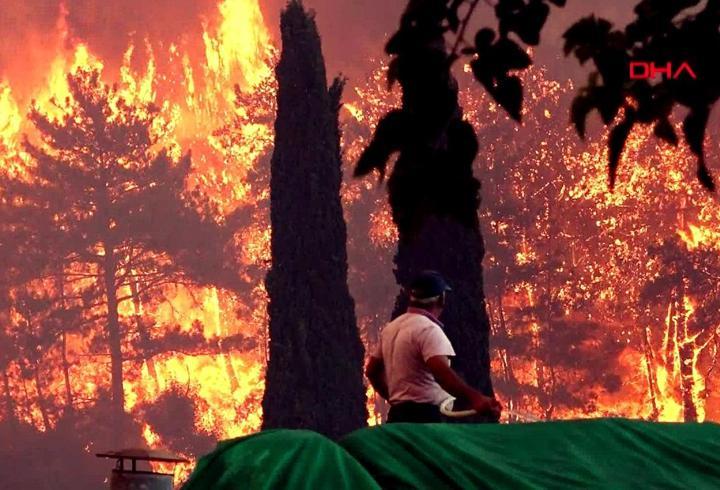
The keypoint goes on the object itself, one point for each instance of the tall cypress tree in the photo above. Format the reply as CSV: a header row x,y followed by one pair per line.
x,y
314,375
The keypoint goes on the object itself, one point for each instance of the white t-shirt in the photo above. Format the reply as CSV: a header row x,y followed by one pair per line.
x,y
405,344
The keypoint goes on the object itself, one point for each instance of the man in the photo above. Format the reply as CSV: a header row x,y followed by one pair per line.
x,y
411,368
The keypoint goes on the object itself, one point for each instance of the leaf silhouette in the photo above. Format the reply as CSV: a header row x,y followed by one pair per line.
x,y
509,94
510,56
694,127
387,139
665,131
579,110
533,20
616,143
484,38
703,175
587,32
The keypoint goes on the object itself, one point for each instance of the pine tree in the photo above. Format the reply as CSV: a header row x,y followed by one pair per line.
x,y
103,198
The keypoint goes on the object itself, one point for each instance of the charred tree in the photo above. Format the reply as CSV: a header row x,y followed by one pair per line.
x,y
8,353
69,403
685,354
9,400
693,295
142,330
649,356
433,193
314,375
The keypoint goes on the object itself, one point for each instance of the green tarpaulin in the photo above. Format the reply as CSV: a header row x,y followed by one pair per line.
x,y
277,459
587,454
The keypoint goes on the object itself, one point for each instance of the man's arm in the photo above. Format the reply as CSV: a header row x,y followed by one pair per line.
x,y
449,380
375,372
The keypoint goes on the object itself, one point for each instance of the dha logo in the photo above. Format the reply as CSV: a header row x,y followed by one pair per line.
x,y
647,70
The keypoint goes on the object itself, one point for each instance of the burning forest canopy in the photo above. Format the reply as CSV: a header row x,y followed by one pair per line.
x,y
600,303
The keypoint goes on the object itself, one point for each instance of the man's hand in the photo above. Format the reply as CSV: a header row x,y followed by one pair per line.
x,y
449,380
485,405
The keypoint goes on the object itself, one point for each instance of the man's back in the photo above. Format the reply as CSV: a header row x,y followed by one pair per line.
x,y
410,366
406,344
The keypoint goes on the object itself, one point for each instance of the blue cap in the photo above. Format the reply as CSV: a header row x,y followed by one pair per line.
x,y
428,286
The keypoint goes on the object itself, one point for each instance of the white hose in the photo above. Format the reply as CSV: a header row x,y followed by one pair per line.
x,y
446,408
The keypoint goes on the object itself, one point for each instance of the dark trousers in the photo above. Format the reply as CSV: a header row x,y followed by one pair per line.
x,y
419,413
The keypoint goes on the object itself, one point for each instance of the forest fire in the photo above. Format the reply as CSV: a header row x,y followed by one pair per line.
x,y
593,311
223,376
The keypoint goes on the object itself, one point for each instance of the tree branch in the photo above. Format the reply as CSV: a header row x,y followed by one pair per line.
x,y
463,27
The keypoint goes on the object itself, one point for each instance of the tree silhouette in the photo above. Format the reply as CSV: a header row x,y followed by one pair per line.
x,y
39,323
433,193
8,354
314,372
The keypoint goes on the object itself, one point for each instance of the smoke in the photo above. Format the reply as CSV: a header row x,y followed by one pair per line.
x,y
353,31
108,27
18,17
35,32
550,51
27,27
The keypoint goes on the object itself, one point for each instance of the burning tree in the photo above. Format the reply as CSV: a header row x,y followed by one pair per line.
x,y
554,348
39,328
315,350
103,198
682,295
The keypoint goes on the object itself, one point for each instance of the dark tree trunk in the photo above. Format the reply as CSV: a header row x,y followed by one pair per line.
x,y
9,400
511,383
143,332
671,334
28,401
115,343
230,370
687,383
69,403
433,193
651,376
438,226
685,357
456,250
314,374
42,405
